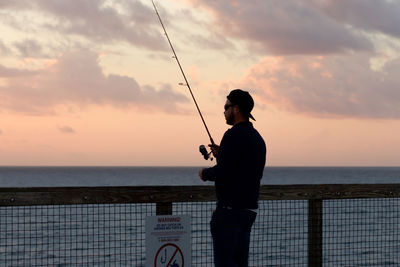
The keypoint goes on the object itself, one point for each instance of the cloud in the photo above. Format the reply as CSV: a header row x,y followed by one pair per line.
x,y
77,79
66,129
188,26
11,4
29,48
3,48
214,41
96,20
12,72
339,86
368,15
283,27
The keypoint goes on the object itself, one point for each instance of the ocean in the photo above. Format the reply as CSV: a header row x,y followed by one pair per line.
x,y
356,232
143,176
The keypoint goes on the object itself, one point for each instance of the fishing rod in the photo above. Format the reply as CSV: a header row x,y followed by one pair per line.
x,y
202,148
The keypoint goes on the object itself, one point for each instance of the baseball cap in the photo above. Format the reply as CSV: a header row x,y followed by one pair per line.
x,y
243,99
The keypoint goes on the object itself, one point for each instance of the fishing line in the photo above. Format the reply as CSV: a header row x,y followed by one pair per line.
x,y
183,73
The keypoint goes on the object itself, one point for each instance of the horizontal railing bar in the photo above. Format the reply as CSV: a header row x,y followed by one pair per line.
x,y
329,191
104,195
27,196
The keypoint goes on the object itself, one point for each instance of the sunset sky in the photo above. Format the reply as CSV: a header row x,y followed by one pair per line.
x,y
93,82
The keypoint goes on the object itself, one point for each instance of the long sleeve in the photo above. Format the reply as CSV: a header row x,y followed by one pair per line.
x,y
226,158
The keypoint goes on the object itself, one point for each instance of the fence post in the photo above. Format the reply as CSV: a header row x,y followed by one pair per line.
x,y
164,208
315,233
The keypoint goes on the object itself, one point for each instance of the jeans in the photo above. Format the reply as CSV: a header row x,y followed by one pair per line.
x,y
230,230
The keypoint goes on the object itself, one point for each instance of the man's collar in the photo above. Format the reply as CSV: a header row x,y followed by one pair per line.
x,y
242,123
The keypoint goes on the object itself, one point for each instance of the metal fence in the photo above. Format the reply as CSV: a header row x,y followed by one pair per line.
x,y
297,225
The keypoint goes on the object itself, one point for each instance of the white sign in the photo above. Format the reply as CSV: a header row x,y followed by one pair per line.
x,y
168,242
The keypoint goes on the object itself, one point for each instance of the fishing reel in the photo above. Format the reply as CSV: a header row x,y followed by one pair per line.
x,y
205,153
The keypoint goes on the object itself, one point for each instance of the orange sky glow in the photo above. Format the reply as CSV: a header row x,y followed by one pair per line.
x,y
94,82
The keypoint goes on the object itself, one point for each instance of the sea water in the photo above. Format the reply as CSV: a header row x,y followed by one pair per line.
x,y
140,176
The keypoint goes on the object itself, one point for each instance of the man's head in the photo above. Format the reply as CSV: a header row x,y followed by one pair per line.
x,y
238,106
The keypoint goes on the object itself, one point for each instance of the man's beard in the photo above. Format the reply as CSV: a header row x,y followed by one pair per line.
x,y
230,119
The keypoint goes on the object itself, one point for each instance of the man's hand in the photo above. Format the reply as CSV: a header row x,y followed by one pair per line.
x,y
201,175
214,149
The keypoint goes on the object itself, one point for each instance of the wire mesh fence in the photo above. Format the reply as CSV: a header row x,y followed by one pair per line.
x,y
361,232
73,235
354,232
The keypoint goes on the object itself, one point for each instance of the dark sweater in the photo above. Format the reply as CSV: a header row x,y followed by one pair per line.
x,y
240,166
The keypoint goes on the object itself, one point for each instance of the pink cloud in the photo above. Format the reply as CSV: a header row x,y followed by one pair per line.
x,y
368,15
283,27
77,79
340,86
128,21
13,72
66,129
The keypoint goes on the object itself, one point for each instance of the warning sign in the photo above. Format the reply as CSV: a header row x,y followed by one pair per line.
x,y
168,241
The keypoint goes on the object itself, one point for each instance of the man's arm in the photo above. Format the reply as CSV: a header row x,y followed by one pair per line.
x,y
208,174
225,159
201,175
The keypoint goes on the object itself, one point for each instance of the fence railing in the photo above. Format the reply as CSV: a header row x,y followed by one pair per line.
x,y
297,225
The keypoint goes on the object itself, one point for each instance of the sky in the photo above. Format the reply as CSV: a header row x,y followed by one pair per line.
x,y
93,82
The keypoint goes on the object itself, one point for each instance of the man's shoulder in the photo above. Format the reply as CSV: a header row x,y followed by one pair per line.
x,y
245,129
242,130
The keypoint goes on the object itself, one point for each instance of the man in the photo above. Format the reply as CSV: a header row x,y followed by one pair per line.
x,y
240,165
